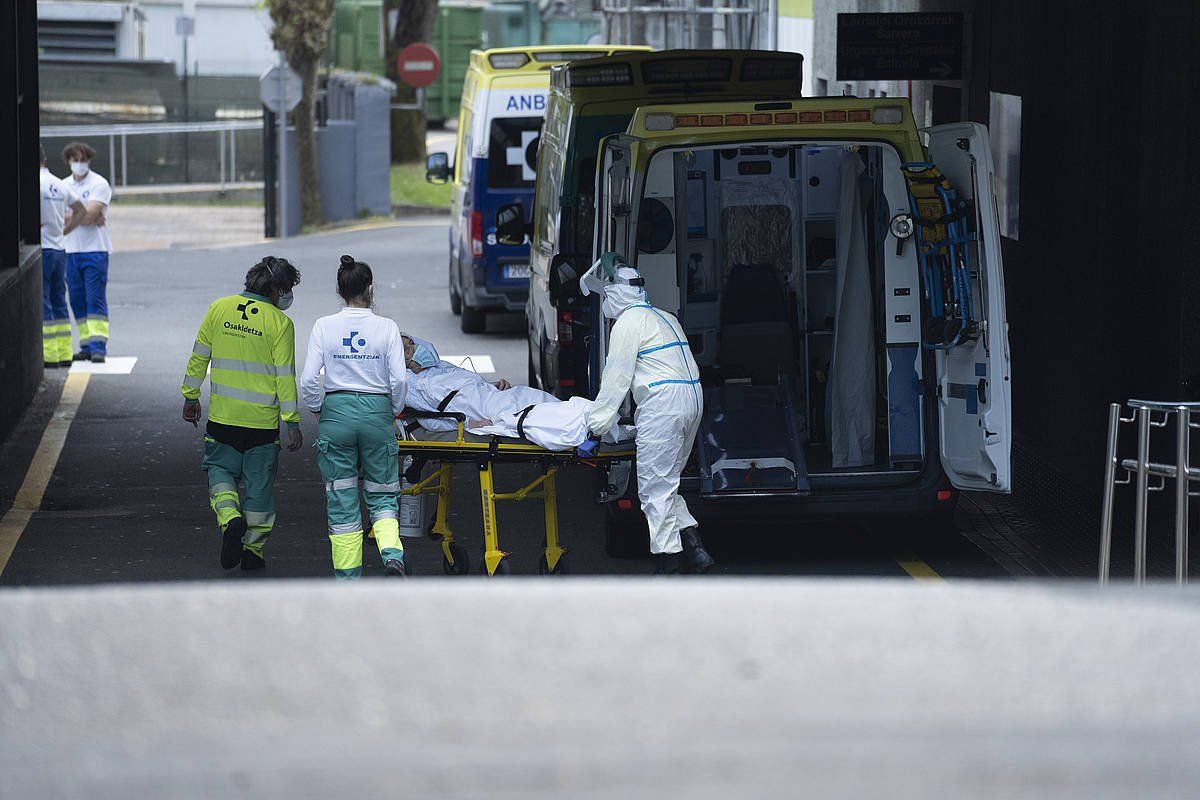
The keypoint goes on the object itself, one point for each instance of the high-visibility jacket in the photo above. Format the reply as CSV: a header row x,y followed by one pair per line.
x,y
251,347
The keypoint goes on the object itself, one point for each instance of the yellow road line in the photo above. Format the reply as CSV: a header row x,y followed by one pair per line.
x,y
918,569
41,468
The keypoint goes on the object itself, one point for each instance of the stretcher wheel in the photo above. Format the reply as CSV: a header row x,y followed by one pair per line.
x,y
561,568
462,561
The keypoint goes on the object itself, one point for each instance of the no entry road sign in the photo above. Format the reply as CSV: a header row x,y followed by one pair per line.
x,y
418,65
890,47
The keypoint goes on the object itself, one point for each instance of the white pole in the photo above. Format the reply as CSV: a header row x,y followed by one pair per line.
x,y
283,196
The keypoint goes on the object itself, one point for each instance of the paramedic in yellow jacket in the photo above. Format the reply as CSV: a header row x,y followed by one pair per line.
x,y
250,345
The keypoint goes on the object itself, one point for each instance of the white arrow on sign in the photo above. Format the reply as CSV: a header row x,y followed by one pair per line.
x,y
268,88
942,70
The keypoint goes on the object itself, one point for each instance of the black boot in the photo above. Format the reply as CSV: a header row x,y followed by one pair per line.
x,y
231,542
696,560
252,561
83,355
394,568
667,564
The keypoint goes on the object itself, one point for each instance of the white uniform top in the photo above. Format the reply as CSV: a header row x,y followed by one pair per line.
x,y
474,397
360,351
90,238
57,194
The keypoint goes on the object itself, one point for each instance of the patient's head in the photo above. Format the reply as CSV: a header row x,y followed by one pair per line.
x,y
417,357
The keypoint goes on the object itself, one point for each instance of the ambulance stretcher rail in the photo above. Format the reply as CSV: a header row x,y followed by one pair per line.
x,y
484,454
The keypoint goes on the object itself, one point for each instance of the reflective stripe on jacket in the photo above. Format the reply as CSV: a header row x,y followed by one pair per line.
x,y
250,346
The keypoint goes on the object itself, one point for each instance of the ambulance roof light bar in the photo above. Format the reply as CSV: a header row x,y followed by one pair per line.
x,y
508,60
666,120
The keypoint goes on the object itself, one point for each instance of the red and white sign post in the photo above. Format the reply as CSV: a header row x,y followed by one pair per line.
x,y
418,66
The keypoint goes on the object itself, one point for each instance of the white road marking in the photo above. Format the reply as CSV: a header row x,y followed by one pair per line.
x,y
481,365
113,365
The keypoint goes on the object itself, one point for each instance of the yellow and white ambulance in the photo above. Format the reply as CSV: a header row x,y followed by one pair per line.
x,y
499,123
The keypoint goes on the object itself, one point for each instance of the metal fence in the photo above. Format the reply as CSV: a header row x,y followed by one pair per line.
x,y
692,24
1147,477
176,156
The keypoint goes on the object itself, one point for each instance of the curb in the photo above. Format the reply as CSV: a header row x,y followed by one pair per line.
x,y
399,210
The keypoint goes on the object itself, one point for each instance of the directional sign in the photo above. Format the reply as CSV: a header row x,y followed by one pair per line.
x,y
268,88
418,65
890,47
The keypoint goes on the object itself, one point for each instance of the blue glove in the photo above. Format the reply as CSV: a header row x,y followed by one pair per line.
x,y
588,448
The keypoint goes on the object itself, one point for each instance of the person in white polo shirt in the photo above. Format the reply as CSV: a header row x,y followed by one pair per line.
x,y
57,197
88,246
362,356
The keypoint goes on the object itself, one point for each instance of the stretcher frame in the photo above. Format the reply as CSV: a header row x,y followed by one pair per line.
x,y
485,454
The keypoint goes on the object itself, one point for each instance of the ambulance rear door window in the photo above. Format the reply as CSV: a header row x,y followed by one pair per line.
x,y
512,152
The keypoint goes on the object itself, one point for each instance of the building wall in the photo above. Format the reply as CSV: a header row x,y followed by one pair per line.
x,y
233,37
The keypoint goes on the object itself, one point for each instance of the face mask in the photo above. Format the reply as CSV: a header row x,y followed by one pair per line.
x,y
423,357
609,308
285,301
79,168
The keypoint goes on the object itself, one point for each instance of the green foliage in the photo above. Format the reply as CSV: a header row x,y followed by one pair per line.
x,y
301,28
409,188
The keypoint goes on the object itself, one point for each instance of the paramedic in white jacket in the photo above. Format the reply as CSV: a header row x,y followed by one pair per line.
x,y
362,356
648,353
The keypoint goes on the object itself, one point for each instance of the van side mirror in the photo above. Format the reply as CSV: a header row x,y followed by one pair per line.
x,y
437,168
563,279
511,228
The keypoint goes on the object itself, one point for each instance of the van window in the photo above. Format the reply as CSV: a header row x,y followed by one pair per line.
x,y
512,152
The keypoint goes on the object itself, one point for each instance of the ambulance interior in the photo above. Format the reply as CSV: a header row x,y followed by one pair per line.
x,y
802,315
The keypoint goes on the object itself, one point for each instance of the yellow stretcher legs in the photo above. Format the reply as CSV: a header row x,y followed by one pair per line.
x,y
495,560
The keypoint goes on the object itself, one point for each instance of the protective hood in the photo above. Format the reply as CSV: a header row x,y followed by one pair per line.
x,y
619,284
625,292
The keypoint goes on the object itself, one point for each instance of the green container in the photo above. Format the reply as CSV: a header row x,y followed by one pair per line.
x,y
356,44
355,39
456,33
571,30
512,25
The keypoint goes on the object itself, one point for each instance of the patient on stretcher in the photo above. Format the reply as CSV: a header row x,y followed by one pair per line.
x,y
492,408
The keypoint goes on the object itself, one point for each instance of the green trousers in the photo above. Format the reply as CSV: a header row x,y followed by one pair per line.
x,y
356,435
256,467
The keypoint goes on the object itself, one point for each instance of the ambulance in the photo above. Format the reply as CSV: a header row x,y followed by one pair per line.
x,y
588,101
841,286
499,122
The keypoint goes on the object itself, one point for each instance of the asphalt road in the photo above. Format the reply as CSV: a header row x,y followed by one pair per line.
x,y
128,502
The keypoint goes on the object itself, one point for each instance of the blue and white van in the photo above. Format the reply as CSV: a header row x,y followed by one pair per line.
x,y
499,126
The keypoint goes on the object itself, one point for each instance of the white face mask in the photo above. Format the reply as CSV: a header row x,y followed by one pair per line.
x,y
285,301
80,168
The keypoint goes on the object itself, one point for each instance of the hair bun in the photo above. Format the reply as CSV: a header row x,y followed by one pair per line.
x,y
347,261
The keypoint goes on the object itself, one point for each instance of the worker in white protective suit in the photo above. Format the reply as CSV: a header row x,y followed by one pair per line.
x,y
648,353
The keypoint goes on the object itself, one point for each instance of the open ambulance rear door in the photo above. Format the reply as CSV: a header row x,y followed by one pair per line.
x,y
974,386
613,231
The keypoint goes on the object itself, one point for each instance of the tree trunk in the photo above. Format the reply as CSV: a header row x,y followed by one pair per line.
x,y
306,144
414,23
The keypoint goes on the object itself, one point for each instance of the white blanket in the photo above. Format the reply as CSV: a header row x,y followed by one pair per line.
x,y
555,425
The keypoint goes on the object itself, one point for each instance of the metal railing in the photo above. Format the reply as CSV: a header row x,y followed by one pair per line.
x,y
667,24
1149,415
121,131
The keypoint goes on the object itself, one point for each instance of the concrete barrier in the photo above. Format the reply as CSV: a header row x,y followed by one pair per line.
x,y
599,688
20,336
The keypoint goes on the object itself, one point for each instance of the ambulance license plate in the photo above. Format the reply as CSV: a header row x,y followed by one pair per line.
x,y
514,271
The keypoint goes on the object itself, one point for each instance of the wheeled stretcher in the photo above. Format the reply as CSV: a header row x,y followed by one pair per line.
x,y
462,447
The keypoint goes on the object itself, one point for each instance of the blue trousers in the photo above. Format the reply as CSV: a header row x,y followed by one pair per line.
x,y
87,284
56,320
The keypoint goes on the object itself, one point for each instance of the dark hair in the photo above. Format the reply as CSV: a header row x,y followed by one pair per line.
x,y
354,278
272,275
80,151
